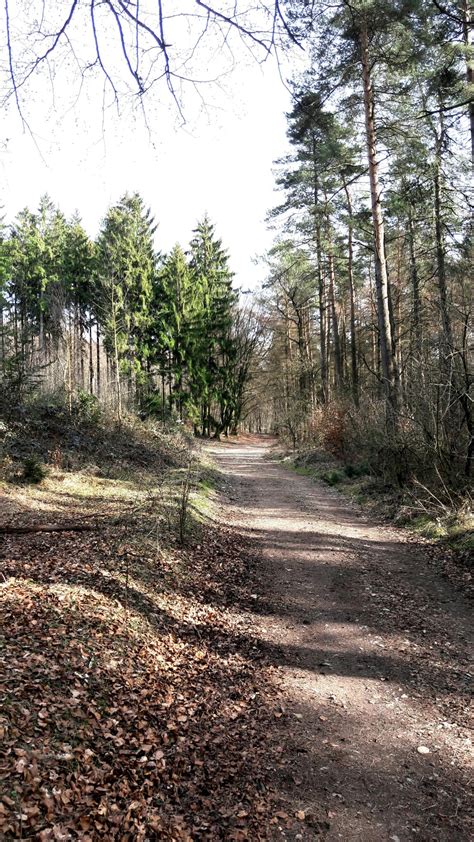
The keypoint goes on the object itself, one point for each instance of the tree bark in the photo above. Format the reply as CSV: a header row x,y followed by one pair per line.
x,y
91,361
2,336
382,285
118,384
415,286
321,288
467,38
97,359
350,274
338,367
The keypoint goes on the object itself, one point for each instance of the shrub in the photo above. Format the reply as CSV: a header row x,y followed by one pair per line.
x,y
87,407
353,471
334,433
327,428
332,477
152,406
33,471
397,456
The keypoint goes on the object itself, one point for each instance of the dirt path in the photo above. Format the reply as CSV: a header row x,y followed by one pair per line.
x,y
372,648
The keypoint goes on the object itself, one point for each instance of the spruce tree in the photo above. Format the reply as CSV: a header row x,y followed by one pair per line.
x,y
211,346
126,265
174,307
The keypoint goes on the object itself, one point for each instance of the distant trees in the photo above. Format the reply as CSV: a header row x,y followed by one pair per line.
x,y
196,308
116,320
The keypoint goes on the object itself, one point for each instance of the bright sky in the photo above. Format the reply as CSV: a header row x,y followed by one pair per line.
x,y
220,162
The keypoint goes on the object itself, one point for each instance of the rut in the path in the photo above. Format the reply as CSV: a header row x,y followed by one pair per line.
x,y
373,651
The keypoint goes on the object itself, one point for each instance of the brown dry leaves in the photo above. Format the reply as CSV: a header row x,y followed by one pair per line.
x,y
130,713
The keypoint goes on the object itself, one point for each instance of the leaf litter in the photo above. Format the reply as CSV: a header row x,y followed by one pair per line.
x,y
134,707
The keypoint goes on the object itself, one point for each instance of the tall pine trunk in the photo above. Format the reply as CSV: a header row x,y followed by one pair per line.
x,y
415,288
321,287
451,362
350,277
97,360
118,383
338,370
91,360
467,28
338,365
2,336
382,285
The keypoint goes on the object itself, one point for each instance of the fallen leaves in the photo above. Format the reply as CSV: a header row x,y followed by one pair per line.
x,y
130,713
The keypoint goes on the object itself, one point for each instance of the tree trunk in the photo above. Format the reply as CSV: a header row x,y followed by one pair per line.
x,y
415,285
97,359
287,361
118,384
338,370
467,38
91,361
163,394
81,347
321,289
375,346
70,382
397,326
15,326
41,324
2,337
448,358
350,275
382,285
441,264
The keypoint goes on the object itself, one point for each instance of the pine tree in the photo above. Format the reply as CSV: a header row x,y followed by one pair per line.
x,y
318,181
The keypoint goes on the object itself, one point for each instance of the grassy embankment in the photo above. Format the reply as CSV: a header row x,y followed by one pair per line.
x,y
132,698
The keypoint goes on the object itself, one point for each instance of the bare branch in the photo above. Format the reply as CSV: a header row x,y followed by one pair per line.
x,y
99,57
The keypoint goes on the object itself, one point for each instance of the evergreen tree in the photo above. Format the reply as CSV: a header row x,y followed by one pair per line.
x,y
211,347
174,308
126,265
78,268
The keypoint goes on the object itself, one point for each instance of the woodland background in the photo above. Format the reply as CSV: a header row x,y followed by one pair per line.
x,y
359,340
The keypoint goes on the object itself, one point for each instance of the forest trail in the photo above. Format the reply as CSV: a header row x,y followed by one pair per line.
x,y
372,651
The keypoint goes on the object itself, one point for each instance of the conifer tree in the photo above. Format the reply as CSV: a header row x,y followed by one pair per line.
x,y
78,268
174,308
126,265
211,347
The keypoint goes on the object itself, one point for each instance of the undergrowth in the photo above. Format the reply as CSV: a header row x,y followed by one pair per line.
x,y
444,517
48,434
128,685
401,473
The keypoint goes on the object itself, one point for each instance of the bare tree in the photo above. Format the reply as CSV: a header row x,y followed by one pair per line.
x,y
133,45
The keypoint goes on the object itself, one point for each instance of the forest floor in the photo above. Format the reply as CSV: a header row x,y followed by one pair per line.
x,y
372,646
295,671
130,706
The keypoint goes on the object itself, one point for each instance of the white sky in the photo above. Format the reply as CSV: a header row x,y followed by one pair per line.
x,y
221,162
